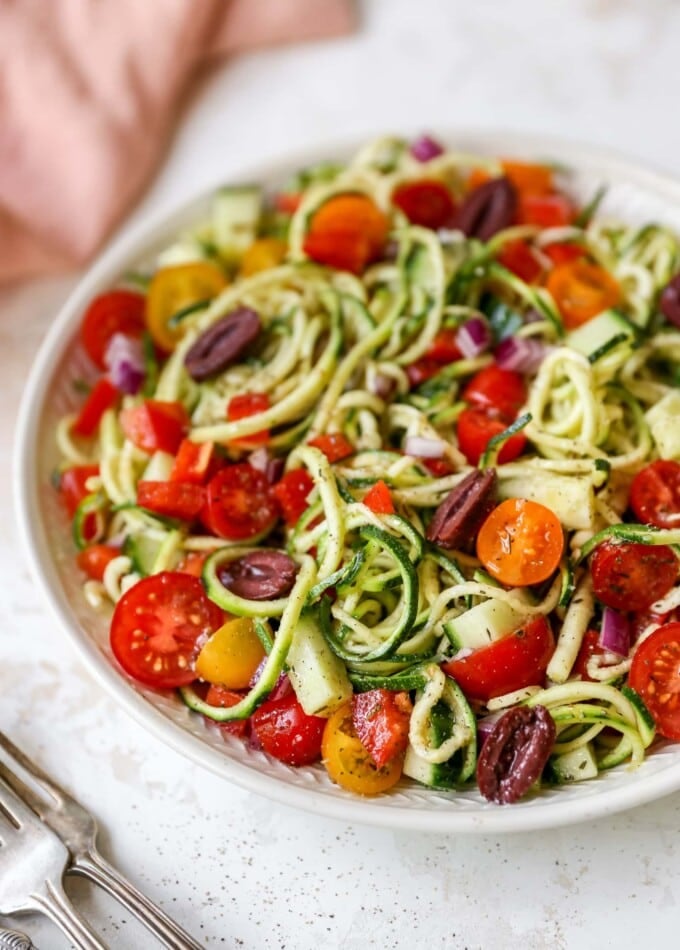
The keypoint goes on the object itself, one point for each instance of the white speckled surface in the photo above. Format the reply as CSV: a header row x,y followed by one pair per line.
x,y
240,871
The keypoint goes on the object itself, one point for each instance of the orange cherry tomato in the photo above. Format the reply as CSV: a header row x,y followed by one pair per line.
x,y
347,232
581,290
527,177
232,654
521,542
262,254
348,763
94,558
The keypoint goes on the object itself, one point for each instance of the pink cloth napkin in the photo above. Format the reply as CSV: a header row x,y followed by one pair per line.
x,y
89,90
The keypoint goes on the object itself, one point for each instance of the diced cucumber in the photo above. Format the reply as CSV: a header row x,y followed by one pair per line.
x,y
664,423
574,766
442,723
236,216
159,467
482,624
601,334
185,251
318,677
571,497
643,717
143,548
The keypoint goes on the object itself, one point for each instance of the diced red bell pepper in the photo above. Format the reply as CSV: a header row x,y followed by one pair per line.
x,y
155,426
102,396
193,462
334,446
520,259
172,499
292,492
379,500
242,406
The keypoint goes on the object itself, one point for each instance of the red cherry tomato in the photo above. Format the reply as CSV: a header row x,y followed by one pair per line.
x,y
655,675
514,662
334,446
496,388
193,462
655,494
347,232
102,396
287,202
476,427
381,719
192,563
240,503
94,558
172,499
563,253
155,426
546,211
285,731
244,405
378,499
292,493
632,576
72,487
222,697
426,202
117,311
157,627
519,257
439,468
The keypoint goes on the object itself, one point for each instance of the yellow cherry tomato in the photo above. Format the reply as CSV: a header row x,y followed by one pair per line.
x,y
174,289
231,655
348,763
262,254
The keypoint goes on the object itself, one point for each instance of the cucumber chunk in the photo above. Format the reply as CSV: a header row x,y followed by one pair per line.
x,y
574,766
663,420
236,216
601,334
481,625
318,677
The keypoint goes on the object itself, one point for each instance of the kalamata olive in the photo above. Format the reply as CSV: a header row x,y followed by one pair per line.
x,y
459,517
669,302
260,575
488,209
222,343
515,753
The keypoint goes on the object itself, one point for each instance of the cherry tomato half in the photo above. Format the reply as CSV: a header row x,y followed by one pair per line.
x,y
519,258
581,290
173,289
496,388
285,731
72,486
521,542
655,675
381,719
292,493
240,503
334,446
632,576
655,494
219,696
117,311
348,763
155,426
242,406
157,625
426,202
476,427
347,232
514,662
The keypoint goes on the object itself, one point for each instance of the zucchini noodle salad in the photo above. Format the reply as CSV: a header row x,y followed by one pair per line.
x,y
382,471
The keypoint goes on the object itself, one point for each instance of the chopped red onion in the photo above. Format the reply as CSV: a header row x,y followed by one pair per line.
x,y
259,459
615,632
383,386
473,337
275,470
425,148
423,448
486,725
521,354
124,360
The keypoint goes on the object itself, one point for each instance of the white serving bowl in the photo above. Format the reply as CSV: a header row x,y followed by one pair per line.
x,y
636,195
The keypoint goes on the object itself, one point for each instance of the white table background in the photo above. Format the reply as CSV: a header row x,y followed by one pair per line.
x,y
237,870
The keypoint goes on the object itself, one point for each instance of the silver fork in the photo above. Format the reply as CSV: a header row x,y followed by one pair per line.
x,y
77,829
32,864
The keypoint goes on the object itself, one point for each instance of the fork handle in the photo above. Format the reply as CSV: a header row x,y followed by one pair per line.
x,y
53,902
93,866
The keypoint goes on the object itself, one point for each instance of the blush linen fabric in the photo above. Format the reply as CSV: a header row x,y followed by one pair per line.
x,y
89,92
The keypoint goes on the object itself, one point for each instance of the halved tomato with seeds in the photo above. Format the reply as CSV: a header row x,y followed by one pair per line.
x,y
655,675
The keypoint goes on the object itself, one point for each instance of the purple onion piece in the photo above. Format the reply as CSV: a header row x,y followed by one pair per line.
x,y
275,470
615,632
425,148
521,354
473,337
124,360
259,459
